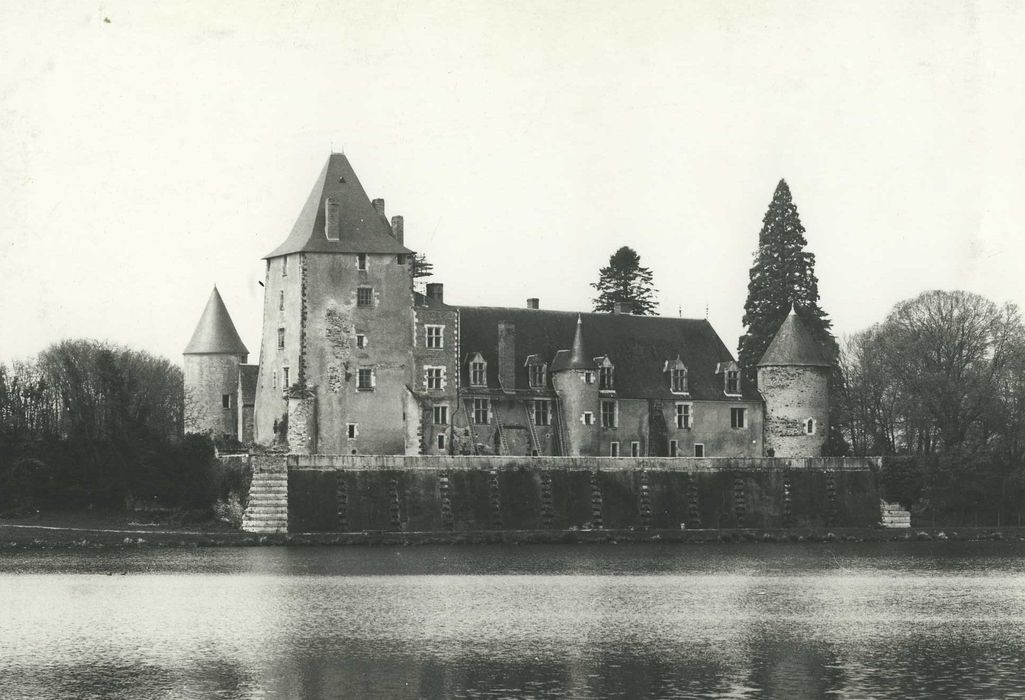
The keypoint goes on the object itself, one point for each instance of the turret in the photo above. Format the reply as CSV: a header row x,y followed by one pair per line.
x,y
793,378
211,362
573,377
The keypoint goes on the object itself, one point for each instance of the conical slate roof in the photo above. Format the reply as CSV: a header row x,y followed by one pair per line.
x,y
215,334
361,228
793,345
576,358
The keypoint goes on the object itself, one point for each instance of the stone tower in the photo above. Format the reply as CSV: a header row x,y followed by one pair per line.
x,y
573,377
793,378
212,359
336,352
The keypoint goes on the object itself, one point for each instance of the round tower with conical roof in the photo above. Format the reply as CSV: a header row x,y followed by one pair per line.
x,y
211,361
793,378
573,378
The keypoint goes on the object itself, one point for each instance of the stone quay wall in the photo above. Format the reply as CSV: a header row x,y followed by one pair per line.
x,y
368,493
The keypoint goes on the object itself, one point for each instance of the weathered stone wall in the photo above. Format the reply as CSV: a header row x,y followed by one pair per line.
x,y
302,425
207,378
577,398
430,494
332,359
792,396
270,413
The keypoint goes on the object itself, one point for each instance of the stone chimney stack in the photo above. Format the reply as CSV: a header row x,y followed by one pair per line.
x,y
533,303
396,227
507,356
436,292
379,207
332,218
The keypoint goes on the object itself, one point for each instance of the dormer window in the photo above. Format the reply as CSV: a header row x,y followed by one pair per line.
x,y
677,372
605,374
478,370
731,377
537,372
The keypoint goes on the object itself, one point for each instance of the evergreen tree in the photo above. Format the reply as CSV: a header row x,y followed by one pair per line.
x,y
783,275
623,280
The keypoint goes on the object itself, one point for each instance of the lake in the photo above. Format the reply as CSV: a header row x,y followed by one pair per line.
x,y
884,620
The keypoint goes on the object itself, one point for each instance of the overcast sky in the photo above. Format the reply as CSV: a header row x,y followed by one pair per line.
x,y
151,150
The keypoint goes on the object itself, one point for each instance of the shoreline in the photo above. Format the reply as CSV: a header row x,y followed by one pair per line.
x,y
20,536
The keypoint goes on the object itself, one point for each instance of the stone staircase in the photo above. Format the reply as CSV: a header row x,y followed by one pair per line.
x,y
893,516
267,511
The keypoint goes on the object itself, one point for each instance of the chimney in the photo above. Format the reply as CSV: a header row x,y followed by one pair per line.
x,y
396,228
533,303
623,307
507,356
436,292
332,219
379,207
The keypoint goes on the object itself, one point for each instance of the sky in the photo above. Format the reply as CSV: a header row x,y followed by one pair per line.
x,y
152,150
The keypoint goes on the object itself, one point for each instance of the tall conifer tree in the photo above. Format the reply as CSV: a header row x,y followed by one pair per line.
x,y
783,274
623,280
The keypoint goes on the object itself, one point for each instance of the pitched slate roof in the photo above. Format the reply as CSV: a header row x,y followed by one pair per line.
x,y
638,346
793,345
361,228
215,333
576,358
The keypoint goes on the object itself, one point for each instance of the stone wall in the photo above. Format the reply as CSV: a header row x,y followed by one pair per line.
x,y
208,378
792,396
432,494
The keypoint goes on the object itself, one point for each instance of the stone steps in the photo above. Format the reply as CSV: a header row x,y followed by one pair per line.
x,y
267,511
893,516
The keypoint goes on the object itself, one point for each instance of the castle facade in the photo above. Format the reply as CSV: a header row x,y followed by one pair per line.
x,y
354,361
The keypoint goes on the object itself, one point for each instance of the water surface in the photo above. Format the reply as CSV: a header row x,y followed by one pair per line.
x,y
881,620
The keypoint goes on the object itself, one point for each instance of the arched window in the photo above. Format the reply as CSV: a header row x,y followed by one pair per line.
x,y
809,426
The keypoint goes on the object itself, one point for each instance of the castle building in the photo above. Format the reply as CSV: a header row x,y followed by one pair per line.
x,y
354,361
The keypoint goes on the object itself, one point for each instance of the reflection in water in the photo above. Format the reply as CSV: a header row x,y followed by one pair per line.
x,y
921,619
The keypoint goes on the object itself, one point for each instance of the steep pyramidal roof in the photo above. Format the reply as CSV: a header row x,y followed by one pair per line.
x,y
215,333
793,345
361,229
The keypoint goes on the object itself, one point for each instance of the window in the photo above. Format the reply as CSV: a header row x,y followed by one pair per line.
x,y
361,341
733,382
536,375
605,378
478,371
674,448
361,261
364,296
281,301
635,449
542,412
809,426
679,380
609,414
400,258
699,450
281,339
683,415
481,414
613,449
351,431
284,378
737,417
441,441
588,418
434,337
589,377
365,379
440,415
284,266
435,375
225,400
